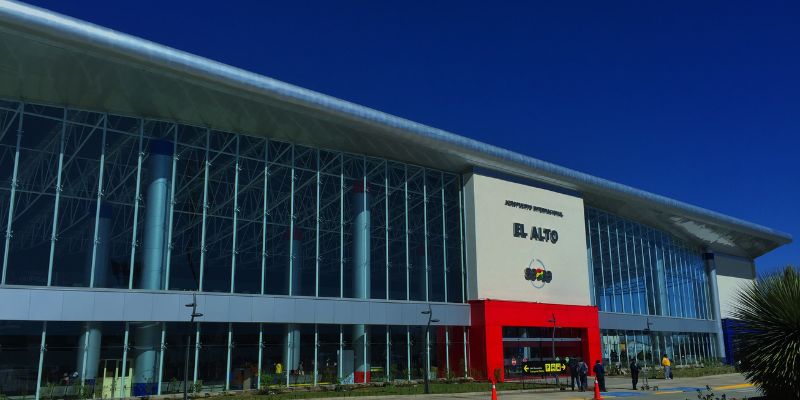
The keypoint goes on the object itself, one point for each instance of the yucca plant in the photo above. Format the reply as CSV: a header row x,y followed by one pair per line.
x,y
768,339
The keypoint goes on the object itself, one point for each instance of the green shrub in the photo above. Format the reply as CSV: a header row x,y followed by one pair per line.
x,y
768,338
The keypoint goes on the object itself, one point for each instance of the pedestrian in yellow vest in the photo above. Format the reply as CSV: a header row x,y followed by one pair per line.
x,y
667,367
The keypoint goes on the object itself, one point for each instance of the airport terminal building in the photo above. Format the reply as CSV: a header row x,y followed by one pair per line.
x,y
317,238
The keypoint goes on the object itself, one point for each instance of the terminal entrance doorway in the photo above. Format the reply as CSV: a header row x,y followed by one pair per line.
x,y
539,345
504,333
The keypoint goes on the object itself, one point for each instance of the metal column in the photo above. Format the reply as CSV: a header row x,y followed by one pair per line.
x,y
54,232
11,201
148,335
361,274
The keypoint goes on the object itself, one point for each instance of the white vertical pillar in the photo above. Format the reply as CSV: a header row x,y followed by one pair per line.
x,y
228,359
386,225
234,244
125,348
463,272
171,212
265,214
388,374
11,201
54,232
204,224
711,268
106,234
136,201
405,216
316,248
408,353
316,351
42,349
161,356
197,345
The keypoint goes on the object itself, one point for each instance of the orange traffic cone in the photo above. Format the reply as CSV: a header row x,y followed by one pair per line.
x,y
494,392
597,395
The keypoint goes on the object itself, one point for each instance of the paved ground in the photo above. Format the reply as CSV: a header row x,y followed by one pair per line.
x,y
732,385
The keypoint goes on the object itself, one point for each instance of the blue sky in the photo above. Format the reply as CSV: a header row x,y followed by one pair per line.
x,y
699,101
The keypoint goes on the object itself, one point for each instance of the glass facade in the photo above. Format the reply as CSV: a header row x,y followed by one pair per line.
x,y
98,200
640,270
95,200
222,356
682,348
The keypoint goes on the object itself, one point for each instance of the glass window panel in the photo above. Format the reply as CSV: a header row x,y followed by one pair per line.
x,y
32,222
250,216
19,358
60,370
212,360
397,233
353,186
220,212
304,262
376,173
453,261
244,357
435,235
83,140
330,224
627,285
301,368
398,367
187,216
279,194
417,352
178,334
418,280
376,354
115,228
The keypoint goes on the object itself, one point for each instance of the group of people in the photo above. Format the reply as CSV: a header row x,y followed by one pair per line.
x,y
579,370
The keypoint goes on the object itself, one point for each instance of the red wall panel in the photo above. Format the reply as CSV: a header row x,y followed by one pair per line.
x,y
490,316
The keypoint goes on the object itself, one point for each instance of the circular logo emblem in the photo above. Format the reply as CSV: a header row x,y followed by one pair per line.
x,y
537,273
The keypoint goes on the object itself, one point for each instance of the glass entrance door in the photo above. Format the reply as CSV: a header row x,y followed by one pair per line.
x,y
530,345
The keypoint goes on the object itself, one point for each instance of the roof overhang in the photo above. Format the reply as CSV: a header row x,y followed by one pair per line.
x,y
50,58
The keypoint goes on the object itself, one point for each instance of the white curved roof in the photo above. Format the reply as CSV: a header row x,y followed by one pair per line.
x,y
51,58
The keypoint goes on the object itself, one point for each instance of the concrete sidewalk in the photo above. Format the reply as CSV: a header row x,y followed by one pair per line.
x,y
732,385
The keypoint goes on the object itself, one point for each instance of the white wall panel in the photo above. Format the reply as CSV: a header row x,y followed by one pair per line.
x,y
497,259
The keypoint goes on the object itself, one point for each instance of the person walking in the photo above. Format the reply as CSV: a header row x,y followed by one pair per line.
x,y
667,367
573,373
583,370
600,374
634,373
278,372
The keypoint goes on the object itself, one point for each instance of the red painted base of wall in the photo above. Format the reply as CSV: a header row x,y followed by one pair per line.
x,y
358,377
490,316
